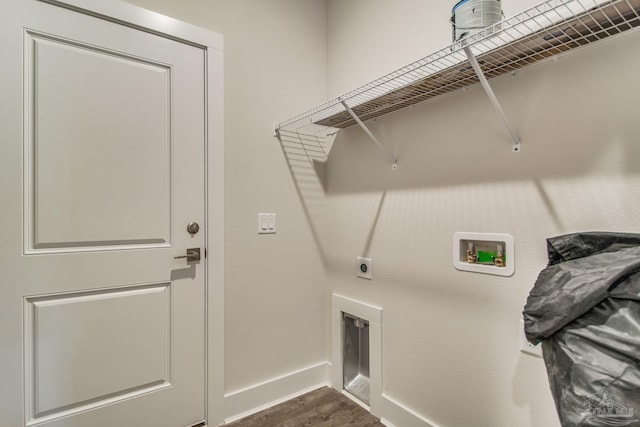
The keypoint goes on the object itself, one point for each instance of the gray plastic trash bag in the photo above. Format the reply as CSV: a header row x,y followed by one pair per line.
x,y
585,309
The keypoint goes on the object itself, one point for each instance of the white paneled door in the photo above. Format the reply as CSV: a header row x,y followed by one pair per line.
x,y
102,167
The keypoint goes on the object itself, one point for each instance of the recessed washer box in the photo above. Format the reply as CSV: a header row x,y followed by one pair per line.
x,y
487,253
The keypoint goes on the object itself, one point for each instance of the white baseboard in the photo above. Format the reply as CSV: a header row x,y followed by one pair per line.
x,y
394,413
241,403
248,401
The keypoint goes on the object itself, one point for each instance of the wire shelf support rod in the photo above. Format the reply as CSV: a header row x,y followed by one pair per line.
x,y
492,97
394,161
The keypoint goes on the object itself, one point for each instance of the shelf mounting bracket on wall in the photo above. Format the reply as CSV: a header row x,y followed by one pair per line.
x,y
492,97
394,161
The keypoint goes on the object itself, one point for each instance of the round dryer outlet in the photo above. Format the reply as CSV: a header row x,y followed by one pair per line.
x,y
364,268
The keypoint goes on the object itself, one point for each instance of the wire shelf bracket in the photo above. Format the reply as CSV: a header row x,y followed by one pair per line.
x,y
492,97
394,161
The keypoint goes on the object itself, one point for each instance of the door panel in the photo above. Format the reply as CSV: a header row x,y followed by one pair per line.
x,y
109,358
92,112
101,325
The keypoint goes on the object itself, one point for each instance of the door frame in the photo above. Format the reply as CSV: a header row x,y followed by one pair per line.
x,y
212,45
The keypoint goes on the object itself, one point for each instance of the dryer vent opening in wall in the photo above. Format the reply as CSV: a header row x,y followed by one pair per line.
x,y
355,359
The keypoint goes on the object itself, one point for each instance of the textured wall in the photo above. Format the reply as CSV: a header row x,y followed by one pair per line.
x,y
370,38
275,65
450,338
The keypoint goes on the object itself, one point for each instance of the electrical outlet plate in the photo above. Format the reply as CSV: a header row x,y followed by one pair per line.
x,y
526,347
364,268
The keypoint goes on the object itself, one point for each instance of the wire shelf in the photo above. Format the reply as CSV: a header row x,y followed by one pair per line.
x,y
545,31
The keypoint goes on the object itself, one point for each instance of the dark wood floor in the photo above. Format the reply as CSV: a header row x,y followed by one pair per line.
x,y
324,407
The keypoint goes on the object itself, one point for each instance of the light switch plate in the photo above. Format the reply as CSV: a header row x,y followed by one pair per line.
x,y
266,223
364,268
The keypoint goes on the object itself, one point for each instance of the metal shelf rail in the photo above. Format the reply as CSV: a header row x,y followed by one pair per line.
x,y
543,32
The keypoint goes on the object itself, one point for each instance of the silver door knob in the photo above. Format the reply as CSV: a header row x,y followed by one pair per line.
x,y
193,227
193,254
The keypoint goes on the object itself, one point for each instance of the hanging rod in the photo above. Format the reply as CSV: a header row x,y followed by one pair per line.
x,y
492,97
394,161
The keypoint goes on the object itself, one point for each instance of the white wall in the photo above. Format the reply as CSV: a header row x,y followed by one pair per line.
x,y
370,38
450,338
275,65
